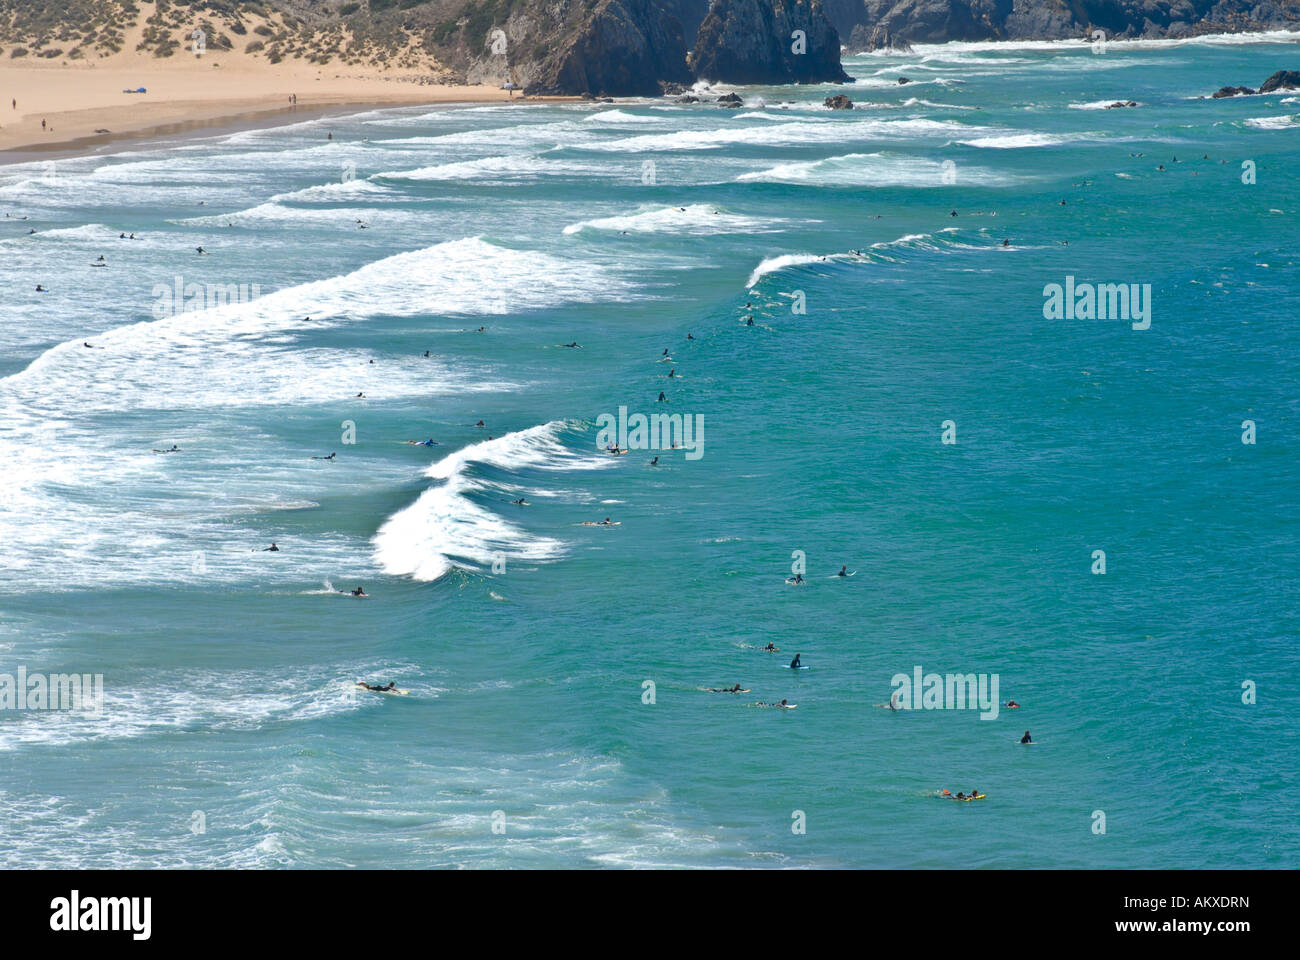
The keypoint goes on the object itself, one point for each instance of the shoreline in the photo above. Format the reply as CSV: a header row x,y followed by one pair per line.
x,y
59,110
222,117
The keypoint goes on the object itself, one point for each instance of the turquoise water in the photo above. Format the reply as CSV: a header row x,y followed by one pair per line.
x,y
228,671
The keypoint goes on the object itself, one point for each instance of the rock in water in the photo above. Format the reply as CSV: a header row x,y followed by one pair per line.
x,y
839,102
768,41
623,48
730,100
1282,80
1232,92
878,38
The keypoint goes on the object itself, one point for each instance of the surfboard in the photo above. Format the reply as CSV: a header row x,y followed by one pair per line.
x,y
851,573
800,667
392,693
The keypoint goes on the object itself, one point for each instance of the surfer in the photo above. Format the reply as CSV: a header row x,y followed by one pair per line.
x,y
735,689
606,523
795,664
40,289
200,250
174,449
574,344
423,443
690,336
672,372
362,396
330,457
271,549
797,578
391,686
358,592
662,398
521,502
1012,705
771,648
844,571
654,462
479,424
749,321
1026,738
1006,243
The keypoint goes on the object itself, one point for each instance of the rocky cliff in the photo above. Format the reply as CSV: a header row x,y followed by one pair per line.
x,y
767,41
622,48
937,21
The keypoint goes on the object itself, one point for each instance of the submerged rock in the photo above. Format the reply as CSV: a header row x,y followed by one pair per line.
x,y
839,102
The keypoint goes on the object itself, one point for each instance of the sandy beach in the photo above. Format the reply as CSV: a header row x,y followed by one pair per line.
x,y
83,105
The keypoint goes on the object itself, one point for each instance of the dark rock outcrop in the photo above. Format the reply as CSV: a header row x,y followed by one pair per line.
x,y
1282,80
839,102
768,41
937,21
623,48
1223,92
730,100
863,40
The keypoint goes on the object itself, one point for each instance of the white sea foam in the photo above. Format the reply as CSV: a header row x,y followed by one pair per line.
x,y
1283,122
785,134
1014,141
874,169
59,528
699,219
445,527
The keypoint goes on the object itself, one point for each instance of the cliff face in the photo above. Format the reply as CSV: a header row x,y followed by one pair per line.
x,y
936,21
757,41
622,48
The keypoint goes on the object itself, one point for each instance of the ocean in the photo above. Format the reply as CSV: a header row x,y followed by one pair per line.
x,y
1094,515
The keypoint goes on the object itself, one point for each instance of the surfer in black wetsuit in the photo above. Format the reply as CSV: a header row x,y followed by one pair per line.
x,y
844,571
358,592
794,664
771,648
330,457
690,337
654,462
749,321
392,685
662,398
521,502
271,549
797,578
1026,738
